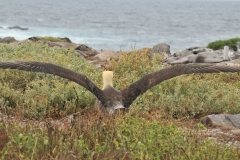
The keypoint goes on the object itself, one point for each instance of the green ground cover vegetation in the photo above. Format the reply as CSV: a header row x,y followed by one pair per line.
x,y
219,44
139,134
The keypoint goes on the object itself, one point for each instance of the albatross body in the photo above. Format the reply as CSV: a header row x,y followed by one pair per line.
x,y
114,94
109,99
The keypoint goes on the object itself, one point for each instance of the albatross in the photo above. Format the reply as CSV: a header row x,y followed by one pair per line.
x,y
110,100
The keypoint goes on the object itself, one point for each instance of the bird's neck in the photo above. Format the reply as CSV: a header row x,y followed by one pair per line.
x,y
107,83
107,79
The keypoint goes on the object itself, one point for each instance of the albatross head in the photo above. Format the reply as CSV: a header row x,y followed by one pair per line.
x,y
115,103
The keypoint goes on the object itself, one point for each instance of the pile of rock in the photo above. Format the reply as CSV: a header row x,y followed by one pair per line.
x,y
196,55
97,58
102,58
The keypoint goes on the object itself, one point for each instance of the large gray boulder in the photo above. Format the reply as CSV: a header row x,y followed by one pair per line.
x,y
161,48
7,40
200,55
190,51
85,51
205,57
222,120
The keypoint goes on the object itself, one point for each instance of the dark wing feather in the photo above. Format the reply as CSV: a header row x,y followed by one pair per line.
x,y
59,71
130,93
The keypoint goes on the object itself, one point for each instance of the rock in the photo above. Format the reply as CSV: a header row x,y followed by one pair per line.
x,y
34,39
86,51
15,43
17,27
66,39
7,40
206,57
182,60
185,56
87,54
222,120
191,51
63,44
196,50
199,50
170,60
161,48
105,56
199,55
183,53
83,50
83,47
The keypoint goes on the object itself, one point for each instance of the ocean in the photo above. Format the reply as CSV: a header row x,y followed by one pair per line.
x,y
123,24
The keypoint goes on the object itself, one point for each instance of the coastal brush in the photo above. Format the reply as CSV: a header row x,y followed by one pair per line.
x,y
109,99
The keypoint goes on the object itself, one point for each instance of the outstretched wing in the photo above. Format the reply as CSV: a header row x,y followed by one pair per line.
x,y
130,93
59,71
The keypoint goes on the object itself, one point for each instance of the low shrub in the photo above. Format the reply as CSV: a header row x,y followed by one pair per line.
x,y
127,137
131,136
46,95
42,94
182,96
219,44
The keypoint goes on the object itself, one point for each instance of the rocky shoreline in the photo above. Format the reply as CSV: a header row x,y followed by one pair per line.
x,y
97,58
197,55
102,57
